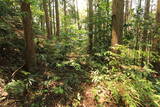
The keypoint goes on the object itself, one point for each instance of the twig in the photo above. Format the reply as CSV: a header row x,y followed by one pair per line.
x,y
13,74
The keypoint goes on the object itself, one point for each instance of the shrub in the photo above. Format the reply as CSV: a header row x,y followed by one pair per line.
x,y
15,88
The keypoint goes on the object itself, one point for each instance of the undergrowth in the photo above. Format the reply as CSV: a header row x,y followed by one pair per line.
x,y
129,83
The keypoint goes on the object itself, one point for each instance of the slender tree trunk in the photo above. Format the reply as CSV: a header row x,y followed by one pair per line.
x,y
90,26
158,13
57,18
145,37
65,15
140,4
117,21
147,8
54,27
78,23
130,8
47,19
42,19
74,11
146,17
131,3
50,16
126,11
155,40
30,58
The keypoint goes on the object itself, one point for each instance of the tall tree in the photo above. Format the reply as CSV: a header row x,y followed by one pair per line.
x,y
146,17
30,58
42,19
156,41
54,27
57,18
65,14
45,6
50,15
139,3
147,8
126,11
78,20
117,21
131,3
158,13
90,25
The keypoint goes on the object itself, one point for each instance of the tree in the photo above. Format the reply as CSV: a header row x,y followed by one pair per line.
x,y
147,8
65,14
156,40
42,19
146,18
47,19
57,18
54,27
78,20
158,13
50,16
90,25
126,11
117,21
30,58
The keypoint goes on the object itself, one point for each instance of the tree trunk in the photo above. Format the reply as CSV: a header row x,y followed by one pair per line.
x,y
54,27
139,3
117,21
42,19
146,17
65,15
131,3
47,19
145,37
30,58
74,11
57,18
156,40
50,16
158,13
90,26
147,8
78,23
126,11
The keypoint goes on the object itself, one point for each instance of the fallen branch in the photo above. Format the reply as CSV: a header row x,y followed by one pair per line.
x,y
14,73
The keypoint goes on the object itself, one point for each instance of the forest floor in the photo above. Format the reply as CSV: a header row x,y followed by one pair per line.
x,y
64,78
70,86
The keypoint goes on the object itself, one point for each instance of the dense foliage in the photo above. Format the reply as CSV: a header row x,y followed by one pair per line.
x,y
66,74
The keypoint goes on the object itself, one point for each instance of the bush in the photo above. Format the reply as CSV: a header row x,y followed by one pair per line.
x,y
15,88
129,84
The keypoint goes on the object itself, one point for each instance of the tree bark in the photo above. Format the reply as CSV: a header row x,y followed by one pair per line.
x,y
90,26
147,8
47,19
126,11
78,20
30,58
42,19
54,27
65,15
146,17
156,40
50,16
117,21
57,18
158,13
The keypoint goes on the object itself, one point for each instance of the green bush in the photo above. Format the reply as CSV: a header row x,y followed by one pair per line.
x,y
15,88
130,84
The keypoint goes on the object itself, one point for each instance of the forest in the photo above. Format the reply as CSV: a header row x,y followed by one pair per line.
x,y
79,53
